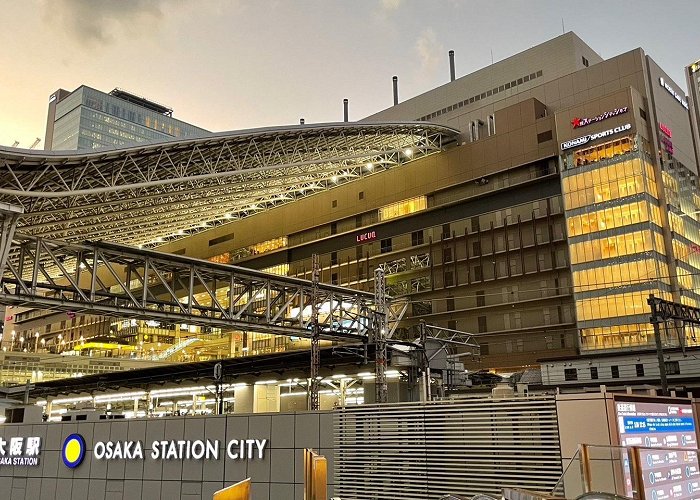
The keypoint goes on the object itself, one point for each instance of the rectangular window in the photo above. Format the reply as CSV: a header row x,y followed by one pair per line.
x,y
594,372
584,61
403,207
478,273
358,221
475,224
639,367
449,278
446,255
480,298
476,248
220,239
672,368
334,227
482,324
615,371
334,258
416,238
544,137
385,245
334,203
452,324
570,374
358,253
484,349
334,278
361,195
450,303
445,231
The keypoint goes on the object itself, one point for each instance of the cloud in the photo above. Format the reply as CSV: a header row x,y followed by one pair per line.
x,y
102,22
391,4
429,51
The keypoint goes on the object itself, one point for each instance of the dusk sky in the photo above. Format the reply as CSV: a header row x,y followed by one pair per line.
x,y
226,65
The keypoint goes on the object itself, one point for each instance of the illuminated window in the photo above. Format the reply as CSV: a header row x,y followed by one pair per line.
x,y
617,246
603,151
402,208
280,270
610,218
223,258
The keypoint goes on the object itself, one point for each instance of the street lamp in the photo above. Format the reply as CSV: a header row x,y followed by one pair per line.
x,y
36,342
12,345
21,343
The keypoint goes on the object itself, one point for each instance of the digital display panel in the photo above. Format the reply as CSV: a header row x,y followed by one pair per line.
x,y
666,473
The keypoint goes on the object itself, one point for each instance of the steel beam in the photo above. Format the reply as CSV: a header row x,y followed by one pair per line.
x,y
163,287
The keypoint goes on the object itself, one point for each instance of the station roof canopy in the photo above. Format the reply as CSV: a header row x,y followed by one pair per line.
x,y
154,193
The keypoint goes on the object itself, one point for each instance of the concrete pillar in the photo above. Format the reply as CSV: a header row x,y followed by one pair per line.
x,y
243,399
266,398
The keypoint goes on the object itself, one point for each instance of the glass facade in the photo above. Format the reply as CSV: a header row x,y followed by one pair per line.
x,y
90,119
616,241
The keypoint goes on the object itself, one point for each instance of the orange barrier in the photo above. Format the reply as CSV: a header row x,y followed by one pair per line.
x,y
315,476
238,491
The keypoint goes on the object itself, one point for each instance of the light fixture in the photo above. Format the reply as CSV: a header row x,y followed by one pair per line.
x,y
369,166
408,152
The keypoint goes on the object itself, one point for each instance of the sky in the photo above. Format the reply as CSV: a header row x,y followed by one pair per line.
x,y
239,64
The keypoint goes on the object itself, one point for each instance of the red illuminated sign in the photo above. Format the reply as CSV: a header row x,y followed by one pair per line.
x,y
365,237
666,138
582,122
665,129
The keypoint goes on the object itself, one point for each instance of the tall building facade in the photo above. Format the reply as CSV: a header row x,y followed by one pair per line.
x,y
89,119
692,76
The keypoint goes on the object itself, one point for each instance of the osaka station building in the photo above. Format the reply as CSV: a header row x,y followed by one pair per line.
x,y
566,195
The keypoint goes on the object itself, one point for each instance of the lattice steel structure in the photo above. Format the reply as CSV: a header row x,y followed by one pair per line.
x,y
153,193
121,281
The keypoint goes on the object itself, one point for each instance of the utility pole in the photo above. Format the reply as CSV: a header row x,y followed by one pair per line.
x,y
663,311
219,396
315,335
380,326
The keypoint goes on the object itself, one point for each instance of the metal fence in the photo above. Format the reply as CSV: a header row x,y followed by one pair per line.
x,y
463,447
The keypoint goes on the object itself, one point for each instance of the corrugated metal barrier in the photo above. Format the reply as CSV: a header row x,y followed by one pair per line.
x,y
464,447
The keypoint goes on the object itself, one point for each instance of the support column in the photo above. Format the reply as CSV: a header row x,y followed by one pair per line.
x,y
243,396
380,326
314,383
9,215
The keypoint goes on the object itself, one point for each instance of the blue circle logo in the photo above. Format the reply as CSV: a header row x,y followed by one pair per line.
x,y
73,451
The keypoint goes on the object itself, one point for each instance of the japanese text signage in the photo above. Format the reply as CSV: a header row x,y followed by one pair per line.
x,y
678,97
666,436
20,451
665,138
582,122
580,141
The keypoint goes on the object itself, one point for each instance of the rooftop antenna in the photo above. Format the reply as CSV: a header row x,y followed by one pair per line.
x,y
562,25
491,56
37,141
15,144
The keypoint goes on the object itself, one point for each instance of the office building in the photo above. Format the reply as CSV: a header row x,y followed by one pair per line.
x,y
89,119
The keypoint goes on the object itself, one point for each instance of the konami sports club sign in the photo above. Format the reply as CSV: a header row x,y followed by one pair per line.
x,y
580,141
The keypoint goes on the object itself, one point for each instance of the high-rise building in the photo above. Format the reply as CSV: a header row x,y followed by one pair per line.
x,y
692,76
89,119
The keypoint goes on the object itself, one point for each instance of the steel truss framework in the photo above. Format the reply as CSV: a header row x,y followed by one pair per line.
x,y
159,192
115,280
